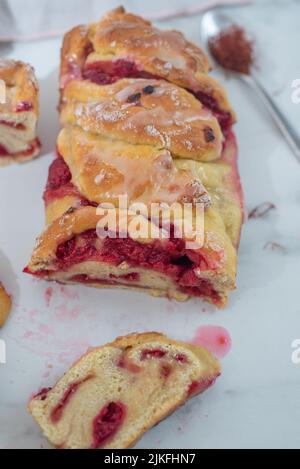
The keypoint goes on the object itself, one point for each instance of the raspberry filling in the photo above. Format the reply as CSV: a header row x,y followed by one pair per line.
x,y
107,423
146,354
3,151
57,412
59,174
42,394
171,259
126,364
224,118
181,358
196,387
59,183
152,353
24,106
165,371
107,72
13,125
30,150
159,353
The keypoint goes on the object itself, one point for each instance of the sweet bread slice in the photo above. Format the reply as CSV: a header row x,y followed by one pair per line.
x,y
18,112
112,395
5,305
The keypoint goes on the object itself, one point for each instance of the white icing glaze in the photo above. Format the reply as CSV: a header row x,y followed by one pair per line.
x,y
177,116
144,179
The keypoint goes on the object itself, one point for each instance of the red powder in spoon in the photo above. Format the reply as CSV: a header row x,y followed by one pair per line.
x,y
233,50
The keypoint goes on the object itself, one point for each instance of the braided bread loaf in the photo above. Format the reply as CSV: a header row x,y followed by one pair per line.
x,y
141,118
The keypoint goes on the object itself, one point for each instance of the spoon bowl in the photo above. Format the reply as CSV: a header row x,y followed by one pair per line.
x,y
213,23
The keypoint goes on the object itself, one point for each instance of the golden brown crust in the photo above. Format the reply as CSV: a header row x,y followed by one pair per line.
x,y
5,305
21,85
137,338
73,222
169,117
73,54
166,54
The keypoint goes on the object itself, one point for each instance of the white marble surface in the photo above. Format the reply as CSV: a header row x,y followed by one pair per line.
x,y
256,401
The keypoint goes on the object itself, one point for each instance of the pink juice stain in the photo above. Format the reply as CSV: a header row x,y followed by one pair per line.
x,y
68,293
216,339
48,296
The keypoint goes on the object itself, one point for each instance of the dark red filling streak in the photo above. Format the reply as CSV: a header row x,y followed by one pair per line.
x,y
57,412
126,364
105,73
172,259
107,423
13,125
42,394
181,358
28,152
59,183
152,353
196,387
24,106
165,368
159,353
3,151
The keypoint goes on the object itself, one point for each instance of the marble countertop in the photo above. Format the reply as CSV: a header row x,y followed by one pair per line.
x,y
255,403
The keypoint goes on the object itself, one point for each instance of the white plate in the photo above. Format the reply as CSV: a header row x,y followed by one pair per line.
x,y
256,401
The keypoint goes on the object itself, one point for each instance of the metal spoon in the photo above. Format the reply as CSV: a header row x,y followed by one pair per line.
x,y
212,24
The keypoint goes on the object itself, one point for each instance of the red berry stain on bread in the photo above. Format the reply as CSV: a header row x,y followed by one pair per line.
x,y
107,423
152,353
165,371
181,358
42,394
172,259
196,387
126,364
57,411
107,72
13,125
24,106
59,174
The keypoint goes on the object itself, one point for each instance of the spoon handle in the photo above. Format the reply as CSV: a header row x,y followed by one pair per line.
x,y
287,130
